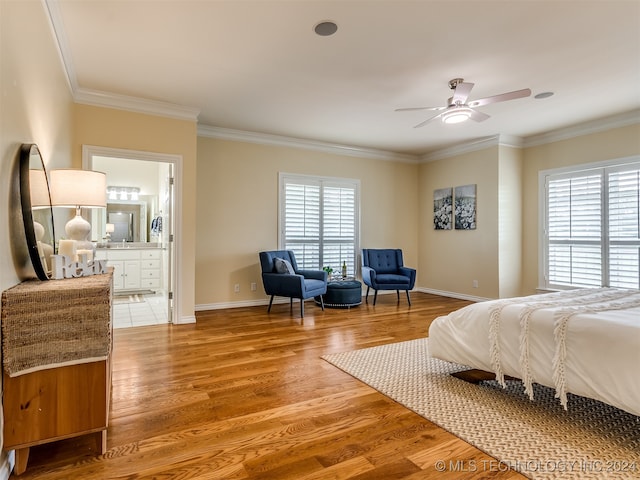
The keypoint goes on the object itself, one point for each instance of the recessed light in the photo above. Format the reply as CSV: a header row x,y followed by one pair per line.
x,y
543,95
326,28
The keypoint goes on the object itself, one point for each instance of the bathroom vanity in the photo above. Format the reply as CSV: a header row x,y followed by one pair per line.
x,y
137,265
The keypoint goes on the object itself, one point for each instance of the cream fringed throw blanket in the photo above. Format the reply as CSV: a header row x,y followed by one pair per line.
x,y
581,341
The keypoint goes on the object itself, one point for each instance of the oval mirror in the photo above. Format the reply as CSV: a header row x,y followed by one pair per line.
x,y
37,214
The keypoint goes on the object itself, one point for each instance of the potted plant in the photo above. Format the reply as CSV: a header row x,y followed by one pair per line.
x,y
329,271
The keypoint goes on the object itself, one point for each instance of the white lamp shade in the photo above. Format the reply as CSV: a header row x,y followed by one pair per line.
x,y
78,188
39,189
110,228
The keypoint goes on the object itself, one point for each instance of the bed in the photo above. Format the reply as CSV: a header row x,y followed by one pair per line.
x,y
585,342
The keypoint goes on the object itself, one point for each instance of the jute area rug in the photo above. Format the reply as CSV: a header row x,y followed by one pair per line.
x,y
538,438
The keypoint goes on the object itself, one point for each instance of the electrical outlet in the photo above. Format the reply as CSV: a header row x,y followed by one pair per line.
x,y
254,286
236,288
475,284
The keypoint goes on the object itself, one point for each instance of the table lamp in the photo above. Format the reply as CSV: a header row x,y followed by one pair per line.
x,y
109,228
38,189
39,193
77,189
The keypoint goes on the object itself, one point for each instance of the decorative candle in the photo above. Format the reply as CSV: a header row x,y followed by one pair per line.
x,y
68,249
87,252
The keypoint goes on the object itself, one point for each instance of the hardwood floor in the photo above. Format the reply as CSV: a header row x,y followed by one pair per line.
x,y
243,394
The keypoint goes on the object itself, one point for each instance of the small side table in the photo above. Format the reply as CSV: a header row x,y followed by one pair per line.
x,y
60,386
342,294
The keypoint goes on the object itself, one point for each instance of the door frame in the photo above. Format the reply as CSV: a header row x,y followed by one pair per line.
x,y
89,151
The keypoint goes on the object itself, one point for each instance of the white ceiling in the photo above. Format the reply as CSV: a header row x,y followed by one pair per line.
x,y
258,66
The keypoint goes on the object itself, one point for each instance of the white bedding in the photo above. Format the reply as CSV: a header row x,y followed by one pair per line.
x,y
586,342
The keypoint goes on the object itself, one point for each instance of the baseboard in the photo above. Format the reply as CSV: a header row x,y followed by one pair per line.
x,y
460,296
184,320
242,303
263,302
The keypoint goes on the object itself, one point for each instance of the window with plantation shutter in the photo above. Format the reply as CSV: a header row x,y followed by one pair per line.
x,y
592,227
624,228
575,231
319,221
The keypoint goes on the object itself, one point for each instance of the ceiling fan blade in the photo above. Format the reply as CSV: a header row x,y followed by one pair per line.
x,y
422,124
418,108
501,98
479,116
461,93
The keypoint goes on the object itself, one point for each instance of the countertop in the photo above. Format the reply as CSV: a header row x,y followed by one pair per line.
x,y
129,246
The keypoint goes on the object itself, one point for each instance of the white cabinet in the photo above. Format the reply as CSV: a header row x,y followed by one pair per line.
x,y
118,277
134,269
150,269
126,274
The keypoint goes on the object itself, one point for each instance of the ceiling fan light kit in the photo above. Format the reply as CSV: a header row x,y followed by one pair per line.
x,y
458,110
456,115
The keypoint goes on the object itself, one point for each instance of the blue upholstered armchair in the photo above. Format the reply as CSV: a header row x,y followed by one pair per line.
x,y
281,277
383,269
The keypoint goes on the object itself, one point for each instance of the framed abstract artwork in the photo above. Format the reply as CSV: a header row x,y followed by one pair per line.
x,y
442,208
465,207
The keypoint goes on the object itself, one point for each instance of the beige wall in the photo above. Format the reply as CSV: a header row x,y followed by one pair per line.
x,y
502,253
112,128
237,210
616,143
35,107
35,103
509,221
450,260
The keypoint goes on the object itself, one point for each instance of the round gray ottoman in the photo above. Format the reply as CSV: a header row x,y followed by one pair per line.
x,y
342,294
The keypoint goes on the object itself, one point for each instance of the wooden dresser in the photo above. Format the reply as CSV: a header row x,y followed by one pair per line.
x,y
56,349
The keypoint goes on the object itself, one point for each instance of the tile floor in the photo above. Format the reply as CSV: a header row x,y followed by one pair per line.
x,y
139,310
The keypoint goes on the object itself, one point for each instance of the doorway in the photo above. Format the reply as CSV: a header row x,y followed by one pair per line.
x,y
141,203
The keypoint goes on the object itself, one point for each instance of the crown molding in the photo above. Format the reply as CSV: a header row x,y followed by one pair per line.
x,y
624,119
282,141
135,104
105,99
593,126
151,107
52,9
473,146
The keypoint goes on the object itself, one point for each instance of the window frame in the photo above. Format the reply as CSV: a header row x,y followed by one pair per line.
x,y
605,167
322,181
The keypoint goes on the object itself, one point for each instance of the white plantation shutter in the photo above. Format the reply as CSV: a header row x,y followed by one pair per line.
x,y
302,223
339,228
575,231
592,232
624,228
319,221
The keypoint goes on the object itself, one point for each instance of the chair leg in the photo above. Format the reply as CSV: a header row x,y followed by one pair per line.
x,y
366,297
270,302
375,297
322,302
398,295
408,298
302,307
291,305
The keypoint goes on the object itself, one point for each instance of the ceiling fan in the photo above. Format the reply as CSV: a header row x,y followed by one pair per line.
x,y
458,110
